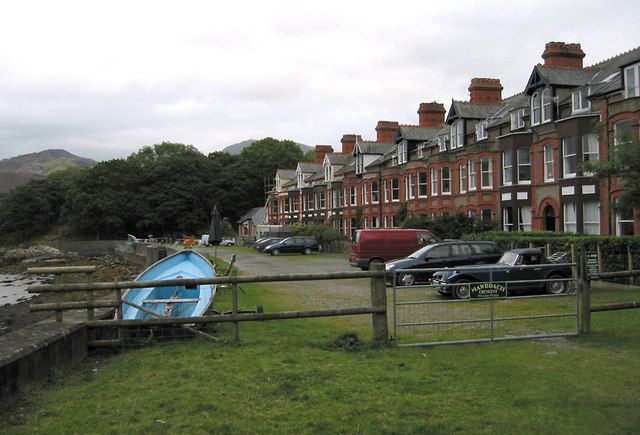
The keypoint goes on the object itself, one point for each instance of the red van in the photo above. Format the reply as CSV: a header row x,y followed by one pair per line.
x,y
381,245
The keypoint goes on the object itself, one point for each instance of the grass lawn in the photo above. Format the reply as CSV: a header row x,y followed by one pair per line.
x,y
296,376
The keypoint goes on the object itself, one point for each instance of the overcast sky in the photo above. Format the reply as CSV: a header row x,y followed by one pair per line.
x,y
102,79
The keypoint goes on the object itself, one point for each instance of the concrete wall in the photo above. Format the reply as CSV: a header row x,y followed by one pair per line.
x,y
86,247
30,355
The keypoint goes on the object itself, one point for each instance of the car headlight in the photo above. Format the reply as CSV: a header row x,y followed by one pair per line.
x,y
389,267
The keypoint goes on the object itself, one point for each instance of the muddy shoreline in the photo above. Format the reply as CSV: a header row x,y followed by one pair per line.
x,y
108,268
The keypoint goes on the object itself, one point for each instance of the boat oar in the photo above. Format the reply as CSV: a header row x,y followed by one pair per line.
x,y
187,327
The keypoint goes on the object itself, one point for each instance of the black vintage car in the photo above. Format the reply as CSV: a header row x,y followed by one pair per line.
x,y
424,261
521,269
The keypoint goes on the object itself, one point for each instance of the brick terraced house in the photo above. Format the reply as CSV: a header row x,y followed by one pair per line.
x,y
517,160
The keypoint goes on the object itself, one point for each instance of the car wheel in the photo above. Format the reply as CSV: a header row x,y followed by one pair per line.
x,y
372,262
306,251
406,279
556,286
461,289
275,252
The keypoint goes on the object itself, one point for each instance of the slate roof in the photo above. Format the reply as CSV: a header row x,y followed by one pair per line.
x,y
415,132
307,167
318,176
464,109
503,115
609,76
373,147
565,76
286,174
338,158
350,166
256,215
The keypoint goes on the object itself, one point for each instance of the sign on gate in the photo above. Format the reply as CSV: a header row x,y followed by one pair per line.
x,y
487,290
592,266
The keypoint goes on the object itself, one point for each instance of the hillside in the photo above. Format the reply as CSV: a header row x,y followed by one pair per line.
x,y
238,147
18,170
44,162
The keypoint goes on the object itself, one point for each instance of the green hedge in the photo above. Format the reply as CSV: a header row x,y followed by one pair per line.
x,y
614,249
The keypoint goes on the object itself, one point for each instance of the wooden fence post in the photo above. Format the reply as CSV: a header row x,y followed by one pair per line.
x,y
584,298
379,300
234,310
599,251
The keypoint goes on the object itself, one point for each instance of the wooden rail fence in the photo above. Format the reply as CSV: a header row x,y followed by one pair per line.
x,y
377,309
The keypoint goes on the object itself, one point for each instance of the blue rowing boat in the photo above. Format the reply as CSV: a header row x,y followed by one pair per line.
x,y
176,301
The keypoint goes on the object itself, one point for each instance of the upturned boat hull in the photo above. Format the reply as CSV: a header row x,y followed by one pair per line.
x,y
174,301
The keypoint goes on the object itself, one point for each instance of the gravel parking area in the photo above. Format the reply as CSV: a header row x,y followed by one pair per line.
x,y
305,295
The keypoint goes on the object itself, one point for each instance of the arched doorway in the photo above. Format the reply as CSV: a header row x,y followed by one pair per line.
x,y
549,218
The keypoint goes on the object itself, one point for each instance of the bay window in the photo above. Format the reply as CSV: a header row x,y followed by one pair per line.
x,y
569,163
507,168
446,180
548,163
524,166
486,173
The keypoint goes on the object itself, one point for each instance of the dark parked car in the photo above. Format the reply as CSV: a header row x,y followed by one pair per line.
x,y
299,244
521,269
260,244
444,254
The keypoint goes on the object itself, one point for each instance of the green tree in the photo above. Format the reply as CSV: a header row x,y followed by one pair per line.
x,y
623,162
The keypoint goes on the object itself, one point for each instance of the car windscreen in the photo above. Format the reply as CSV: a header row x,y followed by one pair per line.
x,y
509,258
420,252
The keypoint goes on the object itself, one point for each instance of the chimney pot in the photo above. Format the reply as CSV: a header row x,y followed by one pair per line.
x,y
485,91
563,55
431,114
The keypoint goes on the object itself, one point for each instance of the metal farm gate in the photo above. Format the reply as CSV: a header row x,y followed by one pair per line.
x,y
423,317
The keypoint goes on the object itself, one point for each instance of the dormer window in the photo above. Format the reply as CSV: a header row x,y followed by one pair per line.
x,y
517,119
403,152
457,134
481,130
547,105
421,150
579,101
632,81
443,142
300,179
359,164
536,109
328,173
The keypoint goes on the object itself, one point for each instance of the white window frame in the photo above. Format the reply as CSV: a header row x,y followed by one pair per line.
x,y
434,182
590,149
488,171
410,186
423,186
507,167
624,219
385,184
463,178
443,141
421,148
323,200
570,217
632,81
568,157
591,217
624,136
375,194
517,119
473,174
507,219
457,134
353,196
523,157
536,109
360,164
445,180
548,163
403,147
524,218
395,190
365,193
579,101
481,130
547,106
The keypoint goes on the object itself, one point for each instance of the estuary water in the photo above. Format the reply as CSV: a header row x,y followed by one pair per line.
x,y
13,288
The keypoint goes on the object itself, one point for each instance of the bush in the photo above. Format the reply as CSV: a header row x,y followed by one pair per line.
x,y
323,233
449,226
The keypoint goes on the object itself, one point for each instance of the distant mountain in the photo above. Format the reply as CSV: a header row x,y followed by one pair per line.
x,y
18,170
44,162
238,147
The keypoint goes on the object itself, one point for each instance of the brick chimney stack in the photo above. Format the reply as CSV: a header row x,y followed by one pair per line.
x,y
485,91
431,115
349,143
563,55
387,131
321,151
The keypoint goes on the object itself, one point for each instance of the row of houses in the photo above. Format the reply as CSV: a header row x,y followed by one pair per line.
x,y
515,160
